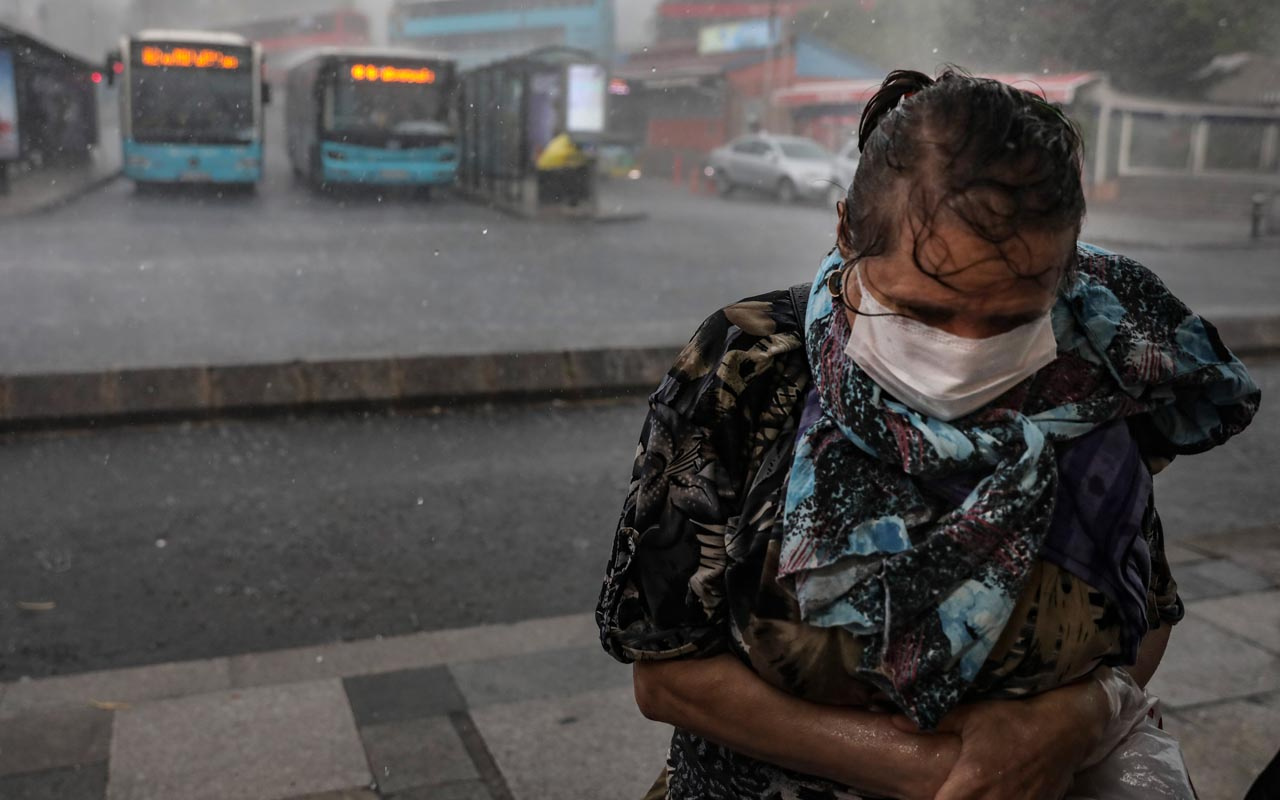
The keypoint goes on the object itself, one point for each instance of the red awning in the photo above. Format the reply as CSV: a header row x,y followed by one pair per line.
x,y
1056,88
730,10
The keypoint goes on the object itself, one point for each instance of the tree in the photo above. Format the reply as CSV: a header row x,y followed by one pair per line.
x,y
1144,45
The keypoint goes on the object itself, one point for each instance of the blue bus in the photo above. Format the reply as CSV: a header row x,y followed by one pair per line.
x,y
372,116
481,31
191,107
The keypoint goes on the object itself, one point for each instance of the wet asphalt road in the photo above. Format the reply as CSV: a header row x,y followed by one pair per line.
x,y
193,541
121,279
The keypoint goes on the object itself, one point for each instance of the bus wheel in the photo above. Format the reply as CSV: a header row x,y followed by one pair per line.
x,y
317,171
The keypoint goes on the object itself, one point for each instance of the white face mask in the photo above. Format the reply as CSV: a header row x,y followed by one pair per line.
x,y
940,374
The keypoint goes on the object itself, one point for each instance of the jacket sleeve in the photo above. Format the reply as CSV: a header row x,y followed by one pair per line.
x,y
663,595
663,589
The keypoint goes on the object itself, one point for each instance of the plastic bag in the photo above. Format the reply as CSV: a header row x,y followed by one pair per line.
x,y
1135,760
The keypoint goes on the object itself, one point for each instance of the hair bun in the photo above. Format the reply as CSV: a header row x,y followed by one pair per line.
x,y
897,87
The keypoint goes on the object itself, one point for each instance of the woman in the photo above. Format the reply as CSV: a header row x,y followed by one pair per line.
x,y
922,484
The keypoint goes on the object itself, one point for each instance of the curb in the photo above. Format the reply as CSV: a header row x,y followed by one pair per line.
x,y
521,212
79,399
61,200
1250,336
1268,242
69,400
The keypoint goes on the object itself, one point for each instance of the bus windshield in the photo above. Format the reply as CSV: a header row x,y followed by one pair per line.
x,y
368,108
192,105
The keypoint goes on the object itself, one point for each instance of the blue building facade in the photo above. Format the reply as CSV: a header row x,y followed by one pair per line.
x,y
481,31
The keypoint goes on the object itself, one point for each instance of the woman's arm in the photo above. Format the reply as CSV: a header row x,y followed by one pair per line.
x,y
1150,654
722,700
725,702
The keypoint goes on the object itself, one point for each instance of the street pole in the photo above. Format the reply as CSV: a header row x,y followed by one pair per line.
x,y
770,55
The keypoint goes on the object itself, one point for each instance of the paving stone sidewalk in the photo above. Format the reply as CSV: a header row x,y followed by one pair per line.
x,y
50,187
532,710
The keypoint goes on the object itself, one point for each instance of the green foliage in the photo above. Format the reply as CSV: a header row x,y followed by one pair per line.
x,y
1145,45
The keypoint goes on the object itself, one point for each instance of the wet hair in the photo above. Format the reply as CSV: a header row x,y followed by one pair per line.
x,y
999,160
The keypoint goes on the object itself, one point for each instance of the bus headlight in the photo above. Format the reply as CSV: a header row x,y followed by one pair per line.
x,y
336,155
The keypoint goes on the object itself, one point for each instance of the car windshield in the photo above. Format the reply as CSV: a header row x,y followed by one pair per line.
x,y
804,150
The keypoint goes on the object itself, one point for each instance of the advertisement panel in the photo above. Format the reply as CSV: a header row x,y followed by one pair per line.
x,y
9,149
753,34
588,84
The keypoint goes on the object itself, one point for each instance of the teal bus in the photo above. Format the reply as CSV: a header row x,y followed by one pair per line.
x,y
373,116
191,107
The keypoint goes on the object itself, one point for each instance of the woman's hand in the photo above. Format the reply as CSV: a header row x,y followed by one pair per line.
x,y
722,700
1023,749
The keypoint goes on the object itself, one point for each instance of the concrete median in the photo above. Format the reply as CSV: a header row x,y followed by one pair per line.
x,y
76,399
199,392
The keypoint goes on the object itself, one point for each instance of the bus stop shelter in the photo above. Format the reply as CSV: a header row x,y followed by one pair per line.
x,y
510,110
48,104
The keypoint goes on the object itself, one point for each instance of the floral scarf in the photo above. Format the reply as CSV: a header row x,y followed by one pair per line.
x,y
866,548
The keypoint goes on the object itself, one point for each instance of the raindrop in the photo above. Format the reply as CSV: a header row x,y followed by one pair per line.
x,y
421,501
1222,23
319,659
435,253
161,544
484,232
826,14
935,51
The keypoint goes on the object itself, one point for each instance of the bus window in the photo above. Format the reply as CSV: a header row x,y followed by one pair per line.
x,y
194,106
364,107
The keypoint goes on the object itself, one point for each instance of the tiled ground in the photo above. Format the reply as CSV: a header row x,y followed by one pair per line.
x,y
531,711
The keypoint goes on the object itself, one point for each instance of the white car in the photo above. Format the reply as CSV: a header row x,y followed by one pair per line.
x,y
789,167
847,166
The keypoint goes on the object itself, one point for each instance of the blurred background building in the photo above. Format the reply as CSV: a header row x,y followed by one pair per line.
x,y
480,31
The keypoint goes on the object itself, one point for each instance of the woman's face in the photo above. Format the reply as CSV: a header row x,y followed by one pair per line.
x,y
985,289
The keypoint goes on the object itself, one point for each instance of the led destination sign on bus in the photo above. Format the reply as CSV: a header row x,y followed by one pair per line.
x,y
373,72
188,57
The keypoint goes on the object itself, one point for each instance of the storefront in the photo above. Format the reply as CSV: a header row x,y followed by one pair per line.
x,y
688,101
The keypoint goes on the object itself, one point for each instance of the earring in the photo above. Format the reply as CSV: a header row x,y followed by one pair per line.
x,y
835,284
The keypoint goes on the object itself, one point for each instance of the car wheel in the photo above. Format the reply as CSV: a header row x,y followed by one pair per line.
x,y
834,195
786,191
724,186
